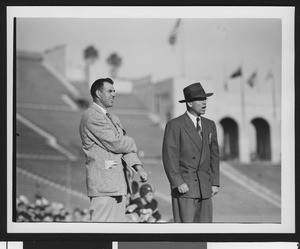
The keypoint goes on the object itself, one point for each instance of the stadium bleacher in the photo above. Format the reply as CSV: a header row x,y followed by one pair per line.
x,y
35,84
37,145
64,125
147,135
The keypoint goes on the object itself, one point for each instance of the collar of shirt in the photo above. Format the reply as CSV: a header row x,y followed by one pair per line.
x,y
194,118
101,108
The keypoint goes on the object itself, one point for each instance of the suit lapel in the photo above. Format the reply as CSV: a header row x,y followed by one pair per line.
x,y
192,132
96,108
205,140
114,121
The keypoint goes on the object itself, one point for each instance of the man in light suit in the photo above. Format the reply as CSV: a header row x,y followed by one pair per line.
x,y
191,159
108,151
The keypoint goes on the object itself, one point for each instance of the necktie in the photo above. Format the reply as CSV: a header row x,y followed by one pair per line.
x,y
108,115
199,130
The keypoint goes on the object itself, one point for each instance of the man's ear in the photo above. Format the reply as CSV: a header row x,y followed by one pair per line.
x,y
98,93
189,104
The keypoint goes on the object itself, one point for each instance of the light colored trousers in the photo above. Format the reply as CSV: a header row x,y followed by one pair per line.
x,y
108,208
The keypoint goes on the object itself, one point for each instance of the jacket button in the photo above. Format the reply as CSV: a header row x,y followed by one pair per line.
x,y
194,157
196,180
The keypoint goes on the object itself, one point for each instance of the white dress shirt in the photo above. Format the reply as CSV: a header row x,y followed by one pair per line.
x,y
101,108
194,119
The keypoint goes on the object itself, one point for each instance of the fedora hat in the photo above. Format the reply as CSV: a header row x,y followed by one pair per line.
x,y
193,92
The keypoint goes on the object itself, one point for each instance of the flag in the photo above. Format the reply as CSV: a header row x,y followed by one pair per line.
x,y
252,79
174,33
236,73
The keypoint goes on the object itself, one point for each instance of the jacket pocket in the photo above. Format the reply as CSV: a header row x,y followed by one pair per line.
x,y
109,180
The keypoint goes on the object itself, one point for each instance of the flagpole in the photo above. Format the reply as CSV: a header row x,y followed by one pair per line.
x,y
244,143
274,97
224,49
225,83
225,77
273,90
244,133
242,94
182,51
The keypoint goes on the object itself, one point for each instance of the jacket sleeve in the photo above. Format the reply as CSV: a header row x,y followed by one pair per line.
x,y
171,153
214,157
108,138
131,159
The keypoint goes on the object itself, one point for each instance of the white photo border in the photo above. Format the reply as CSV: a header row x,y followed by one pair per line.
x,y
286,14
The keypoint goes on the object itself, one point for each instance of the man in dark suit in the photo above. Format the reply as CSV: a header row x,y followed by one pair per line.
x,y
191,159
108,151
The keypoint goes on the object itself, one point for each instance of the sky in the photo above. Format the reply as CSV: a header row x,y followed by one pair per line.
x,y
205,47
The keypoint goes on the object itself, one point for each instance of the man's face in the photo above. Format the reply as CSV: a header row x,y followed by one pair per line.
x,y
198,107
106,95
149,197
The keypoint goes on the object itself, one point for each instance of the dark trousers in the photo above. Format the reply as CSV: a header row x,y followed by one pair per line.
x,y
194,210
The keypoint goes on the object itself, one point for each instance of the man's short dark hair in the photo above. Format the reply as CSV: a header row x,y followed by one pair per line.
x,y
98,85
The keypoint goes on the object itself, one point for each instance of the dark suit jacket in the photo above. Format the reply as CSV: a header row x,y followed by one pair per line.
x,y
189,160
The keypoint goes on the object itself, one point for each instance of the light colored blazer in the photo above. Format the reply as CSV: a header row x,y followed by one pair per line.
x,y
104,142
189,160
